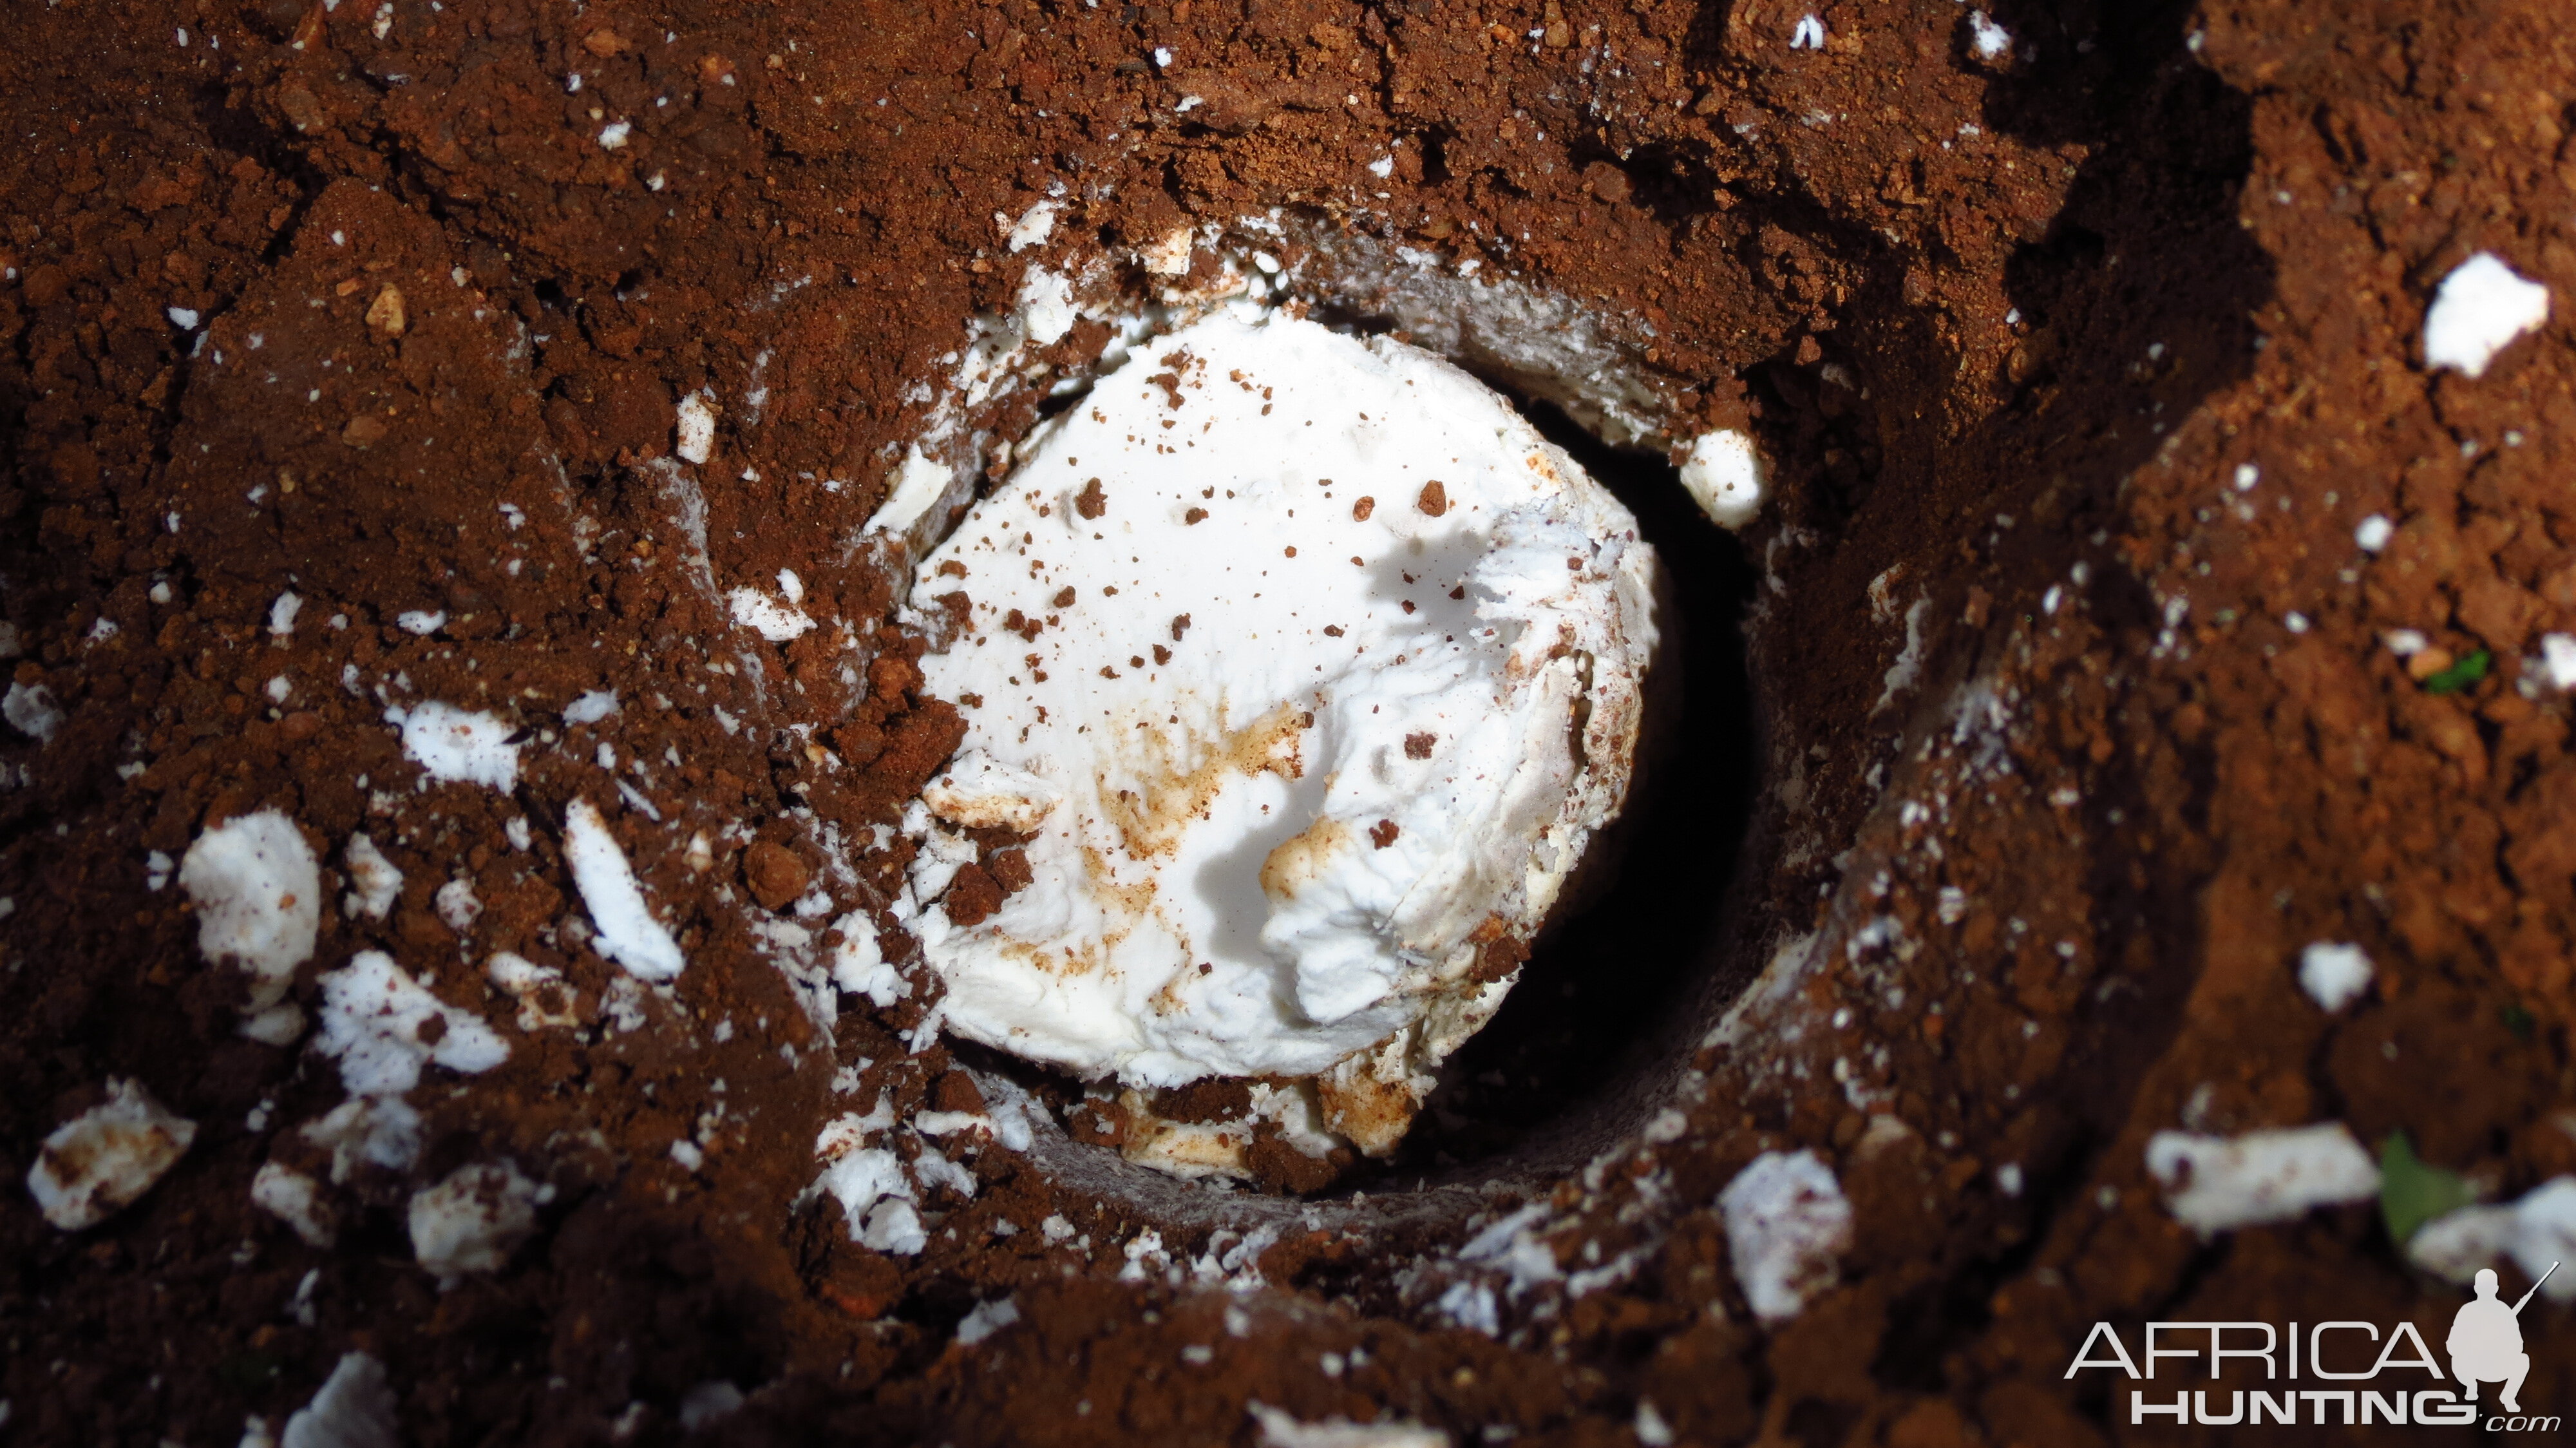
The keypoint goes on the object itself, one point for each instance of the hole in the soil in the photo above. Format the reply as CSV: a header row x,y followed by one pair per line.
x,y
1612,993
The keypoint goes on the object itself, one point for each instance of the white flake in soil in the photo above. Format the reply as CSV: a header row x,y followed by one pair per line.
x,y
459,745
1008,1109
353,1409
281,614
876,1197
2558,659
627,931
590,708
1034,226
258,895
470,1221
2460,1242
1145,1254
1514,1247
2536,1231
31,710
1809,34
859,965
421,621
708,1404
1787,1226
1269,832
545,998
987,1318
374,881
915,486
295,1199
2372,533
2479,309
1046,309
894,1226
621,1006
382,1130
948,1123
1723,474
696,428
2215,1184
1280,1429
1168,256
457,906
377,1022
1985,38
94,1165
766,616
1907,670
2333,974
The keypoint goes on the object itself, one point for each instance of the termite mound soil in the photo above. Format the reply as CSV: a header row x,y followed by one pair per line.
x,y
2070,744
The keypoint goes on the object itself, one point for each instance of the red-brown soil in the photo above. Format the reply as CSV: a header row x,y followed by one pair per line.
x,y
2006,328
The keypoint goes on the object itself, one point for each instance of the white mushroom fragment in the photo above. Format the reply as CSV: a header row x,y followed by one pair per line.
x,y
1311,670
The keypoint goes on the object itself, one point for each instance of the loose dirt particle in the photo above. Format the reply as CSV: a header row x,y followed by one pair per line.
x,y
385,313
775,874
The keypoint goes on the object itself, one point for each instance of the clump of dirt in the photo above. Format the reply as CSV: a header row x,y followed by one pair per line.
x,y
2077,356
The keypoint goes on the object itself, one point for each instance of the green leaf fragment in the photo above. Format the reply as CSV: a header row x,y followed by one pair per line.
x,y
2460,675
2413,1192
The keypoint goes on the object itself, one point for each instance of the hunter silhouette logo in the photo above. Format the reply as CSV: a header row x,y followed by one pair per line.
x,y
2486,1341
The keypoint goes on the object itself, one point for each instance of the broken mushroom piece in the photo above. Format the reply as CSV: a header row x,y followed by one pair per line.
x,y
1298,777
96,1164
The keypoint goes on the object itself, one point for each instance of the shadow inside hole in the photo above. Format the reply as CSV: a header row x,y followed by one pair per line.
x,y
1612,996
